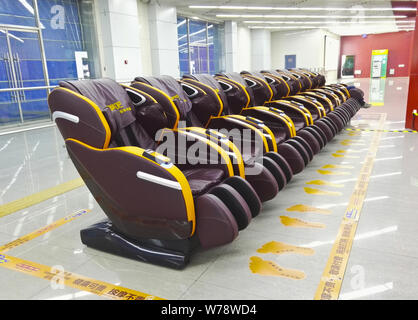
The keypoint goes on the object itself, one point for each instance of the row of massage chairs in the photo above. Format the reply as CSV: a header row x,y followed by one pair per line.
x,y
161,204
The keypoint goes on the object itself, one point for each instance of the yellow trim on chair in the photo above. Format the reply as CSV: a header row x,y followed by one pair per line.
x,y
229,144
249,126
265,127
307,120
213,145
317,105
286,120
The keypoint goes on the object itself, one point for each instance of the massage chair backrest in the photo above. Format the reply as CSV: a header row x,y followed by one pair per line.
x,y
101,114
293,82
313,79
317,78
262,91
305,81
279,86
231,95
171,91
235,76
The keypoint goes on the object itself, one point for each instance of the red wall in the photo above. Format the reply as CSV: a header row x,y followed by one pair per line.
x,y
413,81
398,43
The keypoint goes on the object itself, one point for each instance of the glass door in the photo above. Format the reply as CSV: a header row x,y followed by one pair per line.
x,y
21,60
9,101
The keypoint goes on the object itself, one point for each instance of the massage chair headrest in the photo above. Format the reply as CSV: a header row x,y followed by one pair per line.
x,y
104,109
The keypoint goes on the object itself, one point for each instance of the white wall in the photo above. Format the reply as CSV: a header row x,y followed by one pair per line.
x,y
306,45
309,48
244,49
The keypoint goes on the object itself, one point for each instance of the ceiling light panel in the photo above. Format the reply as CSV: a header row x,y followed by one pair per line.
x,y
267,8
295,16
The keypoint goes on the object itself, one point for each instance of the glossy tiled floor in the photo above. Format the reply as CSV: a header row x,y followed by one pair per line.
x,y
383,261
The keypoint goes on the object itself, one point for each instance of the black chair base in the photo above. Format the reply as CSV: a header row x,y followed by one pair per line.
x,y
172,254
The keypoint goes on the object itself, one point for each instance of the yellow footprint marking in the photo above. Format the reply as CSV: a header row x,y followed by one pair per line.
x,y
338,155
280,248
321,192
333,173
297,223
344,143
336,166
269,268
345,151
324,183
303,208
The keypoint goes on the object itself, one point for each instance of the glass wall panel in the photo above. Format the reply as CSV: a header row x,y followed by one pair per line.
x,y
70,48
183,45
204,52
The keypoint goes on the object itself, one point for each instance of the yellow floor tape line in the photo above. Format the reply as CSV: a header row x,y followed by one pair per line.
x,y
381,130
321,192
43,230
275,247
304,208
330,284
324,183
73,280
297,223
39,197
270,268
66,278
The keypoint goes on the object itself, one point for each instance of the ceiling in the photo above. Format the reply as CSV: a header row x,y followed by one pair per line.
x,y
342,17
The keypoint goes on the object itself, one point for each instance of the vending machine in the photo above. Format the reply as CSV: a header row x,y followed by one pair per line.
x,y
379,63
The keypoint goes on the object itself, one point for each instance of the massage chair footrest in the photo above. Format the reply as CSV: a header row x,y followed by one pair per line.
x,y
173,254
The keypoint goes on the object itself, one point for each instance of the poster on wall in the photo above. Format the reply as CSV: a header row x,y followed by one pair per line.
x,y
379,63
347,66
290,61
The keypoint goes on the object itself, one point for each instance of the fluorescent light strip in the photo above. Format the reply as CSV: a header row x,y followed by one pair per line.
x,y
321,27
326,22
299,8
266,16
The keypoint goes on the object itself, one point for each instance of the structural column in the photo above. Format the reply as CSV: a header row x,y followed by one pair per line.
x,y
260,49
231,46
120,40
163,39
413,82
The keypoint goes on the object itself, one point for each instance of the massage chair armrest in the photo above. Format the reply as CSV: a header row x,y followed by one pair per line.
x,y
272,117
233,123
221,140
182,146
300,112
129,183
